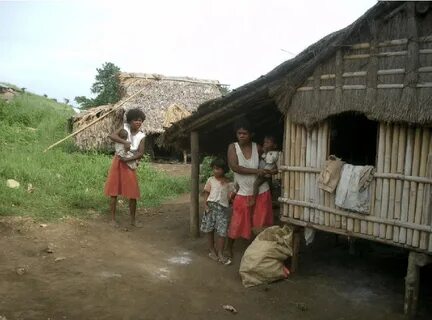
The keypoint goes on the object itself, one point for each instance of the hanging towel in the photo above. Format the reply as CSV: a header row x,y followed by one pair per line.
x,y
352,192
330,175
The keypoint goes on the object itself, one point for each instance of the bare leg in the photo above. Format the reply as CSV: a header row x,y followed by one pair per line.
x,y
210,242
220,244
211,246
113,207
132,211
230,246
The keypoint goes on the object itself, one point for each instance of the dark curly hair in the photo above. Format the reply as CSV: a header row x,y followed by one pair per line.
x,y
220,163
243,123
135,114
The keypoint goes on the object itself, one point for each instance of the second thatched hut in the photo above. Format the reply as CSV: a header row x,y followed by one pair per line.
x,y
164,100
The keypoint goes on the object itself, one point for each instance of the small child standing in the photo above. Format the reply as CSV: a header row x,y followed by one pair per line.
x,y
217,194
121,151
268,161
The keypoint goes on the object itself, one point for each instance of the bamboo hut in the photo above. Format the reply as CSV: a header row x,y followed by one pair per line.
x,y
164,101
363,93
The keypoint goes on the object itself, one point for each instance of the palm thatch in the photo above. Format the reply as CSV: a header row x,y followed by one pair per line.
x,y
392,98
96,136
164,101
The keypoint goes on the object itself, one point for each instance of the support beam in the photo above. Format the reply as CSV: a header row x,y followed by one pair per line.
x,y
297,234
194,205
412,281
184,156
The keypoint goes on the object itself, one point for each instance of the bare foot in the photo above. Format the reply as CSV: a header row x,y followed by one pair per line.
x,y
212,255
137,224
229,254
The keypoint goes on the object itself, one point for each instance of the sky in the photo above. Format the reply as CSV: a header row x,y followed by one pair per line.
x,y
54,47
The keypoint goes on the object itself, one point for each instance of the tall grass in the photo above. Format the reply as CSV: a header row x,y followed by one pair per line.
x,y
65,182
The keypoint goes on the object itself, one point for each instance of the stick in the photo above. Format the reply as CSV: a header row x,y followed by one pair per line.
x,y
405,187
413,186
286,157
292,162
379,182
93,122
320,194
420,191
297,174
399,170
313,186
302,163
308,175
393,169
385,189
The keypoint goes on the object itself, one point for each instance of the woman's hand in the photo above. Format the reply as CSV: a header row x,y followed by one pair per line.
x,y
262,172
127,145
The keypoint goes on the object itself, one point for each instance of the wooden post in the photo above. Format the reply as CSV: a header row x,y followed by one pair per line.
x,y
412,281
297,233
184,156
194,205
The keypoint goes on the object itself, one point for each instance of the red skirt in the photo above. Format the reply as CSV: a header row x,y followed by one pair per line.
x,y
241,224
121,181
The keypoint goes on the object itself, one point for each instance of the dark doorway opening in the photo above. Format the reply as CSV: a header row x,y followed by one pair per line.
x,y
353,138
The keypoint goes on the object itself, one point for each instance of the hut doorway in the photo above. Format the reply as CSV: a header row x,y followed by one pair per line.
x,y
353,138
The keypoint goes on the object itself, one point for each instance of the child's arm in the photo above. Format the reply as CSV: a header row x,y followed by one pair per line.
x,y
138,155
234,190
115,137
206,195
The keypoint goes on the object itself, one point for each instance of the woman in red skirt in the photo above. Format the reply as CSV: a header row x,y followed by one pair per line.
x,y
243,159
122,180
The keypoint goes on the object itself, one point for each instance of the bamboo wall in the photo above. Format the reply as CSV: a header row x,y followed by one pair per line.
x,y
400,192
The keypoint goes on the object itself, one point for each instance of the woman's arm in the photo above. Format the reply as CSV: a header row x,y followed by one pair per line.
x,y
115,137
234,165
139,154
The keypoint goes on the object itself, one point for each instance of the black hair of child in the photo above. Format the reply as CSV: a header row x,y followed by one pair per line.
x,y
135,114
242,123
123,134
271,137
220,163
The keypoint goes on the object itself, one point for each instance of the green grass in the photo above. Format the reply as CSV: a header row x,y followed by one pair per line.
x,y
65,181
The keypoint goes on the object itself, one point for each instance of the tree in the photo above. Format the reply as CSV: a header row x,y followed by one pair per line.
x,y
106,87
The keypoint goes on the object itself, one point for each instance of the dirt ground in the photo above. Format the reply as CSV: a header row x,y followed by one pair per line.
x,y
158,272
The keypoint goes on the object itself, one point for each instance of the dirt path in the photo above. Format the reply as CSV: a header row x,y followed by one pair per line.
x,y
158,272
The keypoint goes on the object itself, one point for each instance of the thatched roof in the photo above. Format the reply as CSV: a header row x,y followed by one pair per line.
x,y
163,93
96,136
279,86
164,101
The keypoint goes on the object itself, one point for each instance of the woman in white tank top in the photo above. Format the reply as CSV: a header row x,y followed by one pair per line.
x,y
243,159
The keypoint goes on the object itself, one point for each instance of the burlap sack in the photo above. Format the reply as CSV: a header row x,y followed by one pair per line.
x,y
263,260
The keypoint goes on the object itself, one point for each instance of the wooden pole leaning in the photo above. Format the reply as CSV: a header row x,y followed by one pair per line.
x,y
96,120
194,206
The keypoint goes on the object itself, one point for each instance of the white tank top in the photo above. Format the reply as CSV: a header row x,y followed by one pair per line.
x,y
135,139
246,181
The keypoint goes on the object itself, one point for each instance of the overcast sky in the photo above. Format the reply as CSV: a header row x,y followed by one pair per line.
x,y
54,47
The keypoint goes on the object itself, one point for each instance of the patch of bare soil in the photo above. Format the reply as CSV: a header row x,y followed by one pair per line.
x,y
173,169
85,269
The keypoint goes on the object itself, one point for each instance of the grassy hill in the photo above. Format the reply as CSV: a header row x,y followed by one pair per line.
x,y
64,181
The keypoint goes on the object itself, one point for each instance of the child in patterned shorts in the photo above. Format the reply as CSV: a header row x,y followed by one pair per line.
x,y
217,192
